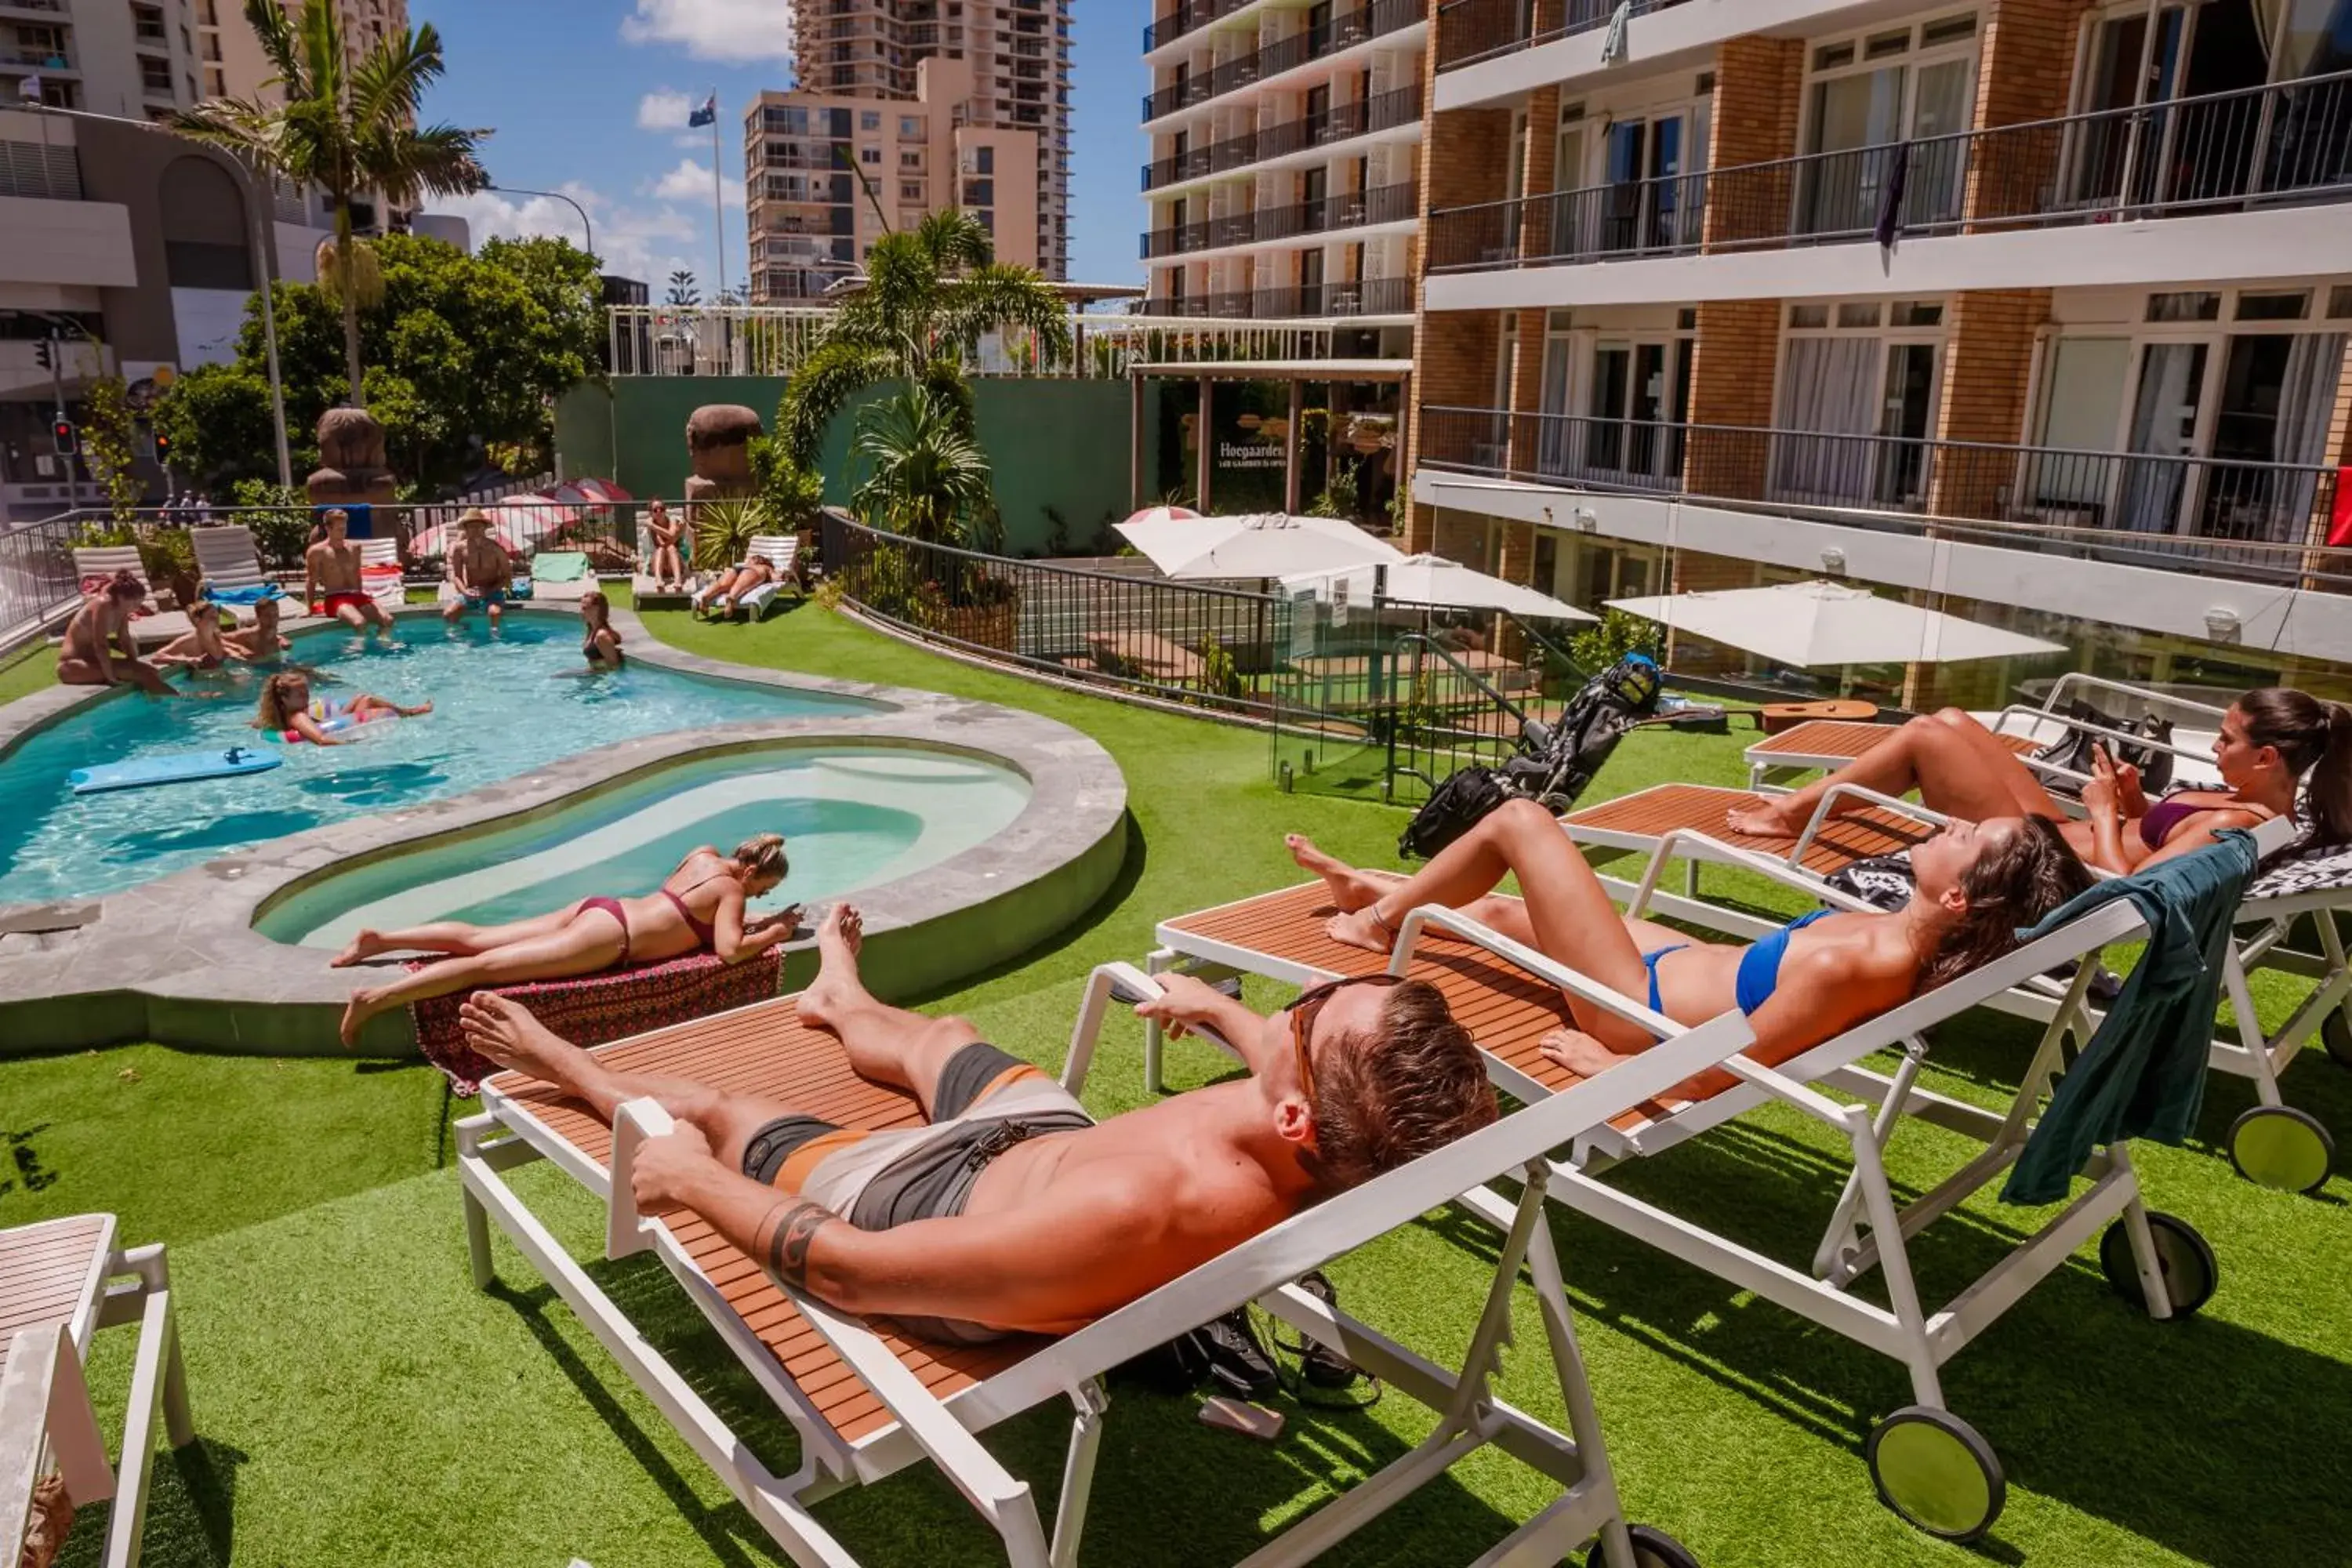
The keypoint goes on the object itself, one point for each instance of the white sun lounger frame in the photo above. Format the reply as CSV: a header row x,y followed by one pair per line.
x,y
1909,1331
48,1421
507,1134
780,550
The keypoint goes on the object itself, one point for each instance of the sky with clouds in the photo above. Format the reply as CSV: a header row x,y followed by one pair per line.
x,y
590,97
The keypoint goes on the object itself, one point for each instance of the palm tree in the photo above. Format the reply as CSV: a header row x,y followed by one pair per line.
x,y
682,290
929,478
346,127
931,295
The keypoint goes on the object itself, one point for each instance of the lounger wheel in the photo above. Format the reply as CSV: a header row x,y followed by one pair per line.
x,y
1936,1471
2191,1273
2337,1034
1652,1547
2279,1147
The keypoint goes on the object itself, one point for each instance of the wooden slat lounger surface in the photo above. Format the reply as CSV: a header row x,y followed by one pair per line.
x,y
763,1051
1847,739
49,1272
1505,1009
1658,811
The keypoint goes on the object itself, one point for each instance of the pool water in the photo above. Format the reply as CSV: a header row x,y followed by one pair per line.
x,y
851,818
503,704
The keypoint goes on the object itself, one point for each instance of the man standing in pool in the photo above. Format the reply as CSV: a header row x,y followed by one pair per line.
x,y
331,578
479,569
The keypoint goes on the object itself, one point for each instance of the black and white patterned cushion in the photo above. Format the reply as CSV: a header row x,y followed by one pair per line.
x,y
2327,867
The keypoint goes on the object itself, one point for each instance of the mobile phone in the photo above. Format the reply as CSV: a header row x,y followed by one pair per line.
x,y
1239,1415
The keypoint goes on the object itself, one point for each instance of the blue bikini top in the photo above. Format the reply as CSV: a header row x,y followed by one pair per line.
x,y
1760,966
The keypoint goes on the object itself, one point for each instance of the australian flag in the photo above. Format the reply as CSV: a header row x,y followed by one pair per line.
x,y
706,115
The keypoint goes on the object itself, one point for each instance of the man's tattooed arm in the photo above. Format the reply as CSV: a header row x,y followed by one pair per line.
x,y
791,1229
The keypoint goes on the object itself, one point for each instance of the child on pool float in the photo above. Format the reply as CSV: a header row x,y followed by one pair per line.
x,y
290,711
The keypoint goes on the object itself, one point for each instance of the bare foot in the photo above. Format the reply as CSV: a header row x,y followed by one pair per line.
x,y
504,1030
1361,928
1769,820
839,935
419,711
1579,1052
1351,890
362,1006
364,946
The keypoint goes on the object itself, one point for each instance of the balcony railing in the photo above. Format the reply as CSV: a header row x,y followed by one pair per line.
x,y
1354,209
2261,521
1376,20
1471,30
1296,302
1382,112
1186,18
2285,143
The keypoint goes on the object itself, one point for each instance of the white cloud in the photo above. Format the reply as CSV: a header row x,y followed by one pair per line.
x,y
714,29
632,241
663,110
690,182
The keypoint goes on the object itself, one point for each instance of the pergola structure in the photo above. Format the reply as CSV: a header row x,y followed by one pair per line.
x,y
1297,373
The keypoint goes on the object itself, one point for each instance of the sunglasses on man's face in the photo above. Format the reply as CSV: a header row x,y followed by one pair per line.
x,y
1302,1020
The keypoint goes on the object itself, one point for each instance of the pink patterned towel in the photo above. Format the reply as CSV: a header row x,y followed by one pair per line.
x,y
595,1008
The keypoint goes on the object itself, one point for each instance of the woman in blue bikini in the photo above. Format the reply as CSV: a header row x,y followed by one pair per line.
x,y
1806,982
699,907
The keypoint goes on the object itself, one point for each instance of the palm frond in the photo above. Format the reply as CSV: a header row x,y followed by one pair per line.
x,y
954,241
822,387
929,479
439,160
280,46
390,81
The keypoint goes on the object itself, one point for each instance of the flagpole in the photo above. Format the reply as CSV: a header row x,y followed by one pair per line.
x,y
718,192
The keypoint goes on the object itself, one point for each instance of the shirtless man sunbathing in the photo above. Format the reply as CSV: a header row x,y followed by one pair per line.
x,y
1012,1210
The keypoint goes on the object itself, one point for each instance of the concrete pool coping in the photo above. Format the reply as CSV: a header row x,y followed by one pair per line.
x,y
178,960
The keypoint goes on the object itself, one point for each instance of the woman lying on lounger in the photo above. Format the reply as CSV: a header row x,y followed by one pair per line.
x,y
701,905
1809,981
2271,738
727,591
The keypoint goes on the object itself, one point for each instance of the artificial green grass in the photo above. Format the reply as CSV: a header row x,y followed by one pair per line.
x,y
360,1401
29,671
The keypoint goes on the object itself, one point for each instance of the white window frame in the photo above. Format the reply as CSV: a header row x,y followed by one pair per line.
x,y
1970,49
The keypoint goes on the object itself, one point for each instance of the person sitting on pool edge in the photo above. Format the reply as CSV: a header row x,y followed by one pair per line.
x,y
482,572
98,648
701,905
288,711
331,578
1012,1210
1978,885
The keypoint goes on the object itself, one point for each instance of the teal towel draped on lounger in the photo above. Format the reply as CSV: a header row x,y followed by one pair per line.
x,y
2143,1074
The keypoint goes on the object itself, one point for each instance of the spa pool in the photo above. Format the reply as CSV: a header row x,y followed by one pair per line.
x,y
503,705
853,817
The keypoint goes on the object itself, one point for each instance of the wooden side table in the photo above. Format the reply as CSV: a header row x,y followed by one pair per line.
x,y
1776,716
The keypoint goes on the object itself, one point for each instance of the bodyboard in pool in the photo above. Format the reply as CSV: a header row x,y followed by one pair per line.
x,y
184,767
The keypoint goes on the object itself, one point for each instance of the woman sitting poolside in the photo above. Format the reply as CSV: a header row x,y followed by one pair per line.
x,y
288,711
1808,982
2271,738
700,905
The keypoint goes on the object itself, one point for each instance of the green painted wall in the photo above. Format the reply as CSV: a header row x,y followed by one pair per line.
x,y
1057,444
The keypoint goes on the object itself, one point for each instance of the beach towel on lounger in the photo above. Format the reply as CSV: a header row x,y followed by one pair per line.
x,y
2143,1074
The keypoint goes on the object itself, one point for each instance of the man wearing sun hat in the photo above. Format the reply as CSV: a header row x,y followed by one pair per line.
x,y
479,569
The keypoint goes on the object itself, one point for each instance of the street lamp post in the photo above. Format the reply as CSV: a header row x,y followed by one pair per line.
x,y
265,253
554,197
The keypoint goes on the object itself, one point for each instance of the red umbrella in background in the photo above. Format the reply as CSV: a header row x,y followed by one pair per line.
x,y
520,523
1164,514
591,492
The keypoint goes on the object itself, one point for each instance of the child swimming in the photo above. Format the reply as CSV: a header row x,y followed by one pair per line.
x,y
287,710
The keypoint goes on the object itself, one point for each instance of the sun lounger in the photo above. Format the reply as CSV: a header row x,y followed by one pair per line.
x,y
154,627
560,576
2272,1143
1146,655
60,1283
781,550
226,557
381,578
867,1402
1928,1465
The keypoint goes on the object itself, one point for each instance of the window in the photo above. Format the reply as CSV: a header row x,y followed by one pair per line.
x,y
1950,30
869,156
1687,319
2184,307
1808,318
910,128
984,161
1916,313
869,120
2274,306
910,190
909,158
155,75
1886,43
1861,316
2339,302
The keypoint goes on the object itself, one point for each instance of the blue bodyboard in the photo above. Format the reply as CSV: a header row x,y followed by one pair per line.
x,y
182,768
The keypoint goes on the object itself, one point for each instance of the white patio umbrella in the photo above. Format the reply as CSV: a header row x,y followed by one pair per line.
x,y
1265,544
1815,623
1449,584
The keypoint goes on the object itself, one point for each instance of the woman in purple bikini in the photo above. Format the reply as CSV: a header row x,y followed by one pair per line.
x,y
2272,741
700,906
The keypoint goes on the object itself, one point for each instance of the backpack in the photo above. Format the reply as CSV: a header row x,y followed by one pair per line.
x,y
2072,751
1459,805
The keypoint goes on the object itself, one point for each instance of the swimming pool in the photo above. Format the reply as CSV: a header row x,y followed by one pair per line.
x,y
852,817
503,705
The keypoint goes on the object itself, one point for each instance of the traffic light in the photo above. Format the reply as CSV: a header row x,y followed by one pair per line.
x,y
163,446
61,436
43,354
